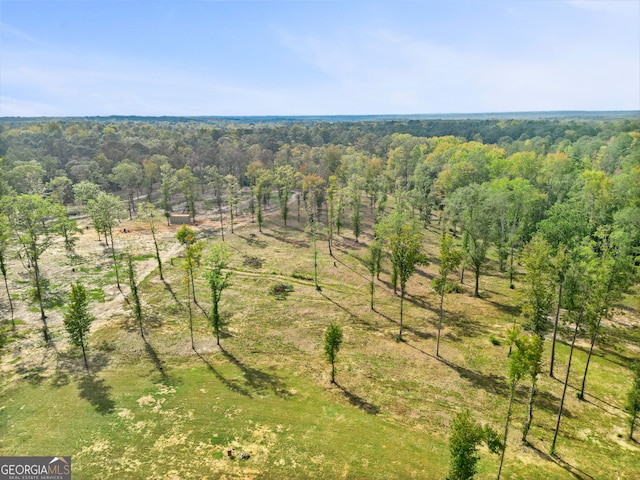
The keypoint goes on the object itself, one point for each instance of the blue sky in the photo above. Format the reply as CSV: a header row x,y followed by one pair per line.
x,y
92,57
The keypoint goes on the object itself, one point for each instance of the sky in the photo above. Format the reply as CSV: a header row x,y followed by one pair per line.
x,y
341,57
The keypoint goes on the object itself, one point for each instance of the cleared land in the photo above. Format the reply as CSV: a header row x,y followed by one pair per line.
x,y
157,409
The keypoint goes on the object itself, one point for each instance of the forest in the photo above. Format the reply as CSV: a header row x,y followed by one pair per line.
x,y
322,297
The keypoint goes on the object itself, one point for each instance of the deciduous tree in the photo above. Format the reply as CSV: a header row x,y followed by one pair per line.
x,y
5,243
78,318
151,215
450,258
128,176
406,254
633,398
219,280
29,218
332,344
232,194
285,180
137,306
106,213
465,438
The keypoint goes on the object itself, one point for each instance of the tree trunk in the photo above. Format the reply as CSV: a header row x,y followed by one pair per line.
x,y
371,288
564,389
216,319
476,292
43,317
193,345
440,321
131,208
193,286
527,425
506,428
555,329
333,370
315,262
401,312
155,244
586,368
221,223
84,354
511,285
6,286
115,262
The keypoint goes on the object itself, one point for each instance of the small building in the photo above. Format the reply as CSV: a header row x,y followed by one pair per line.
x,y
180,219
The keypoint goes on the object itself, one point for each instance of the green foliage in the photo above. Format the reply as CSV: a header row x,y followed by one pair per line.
x,y
218,280
187,183
28,217
355,197
539,284
85,191
186,236
633,398
285,181
465,438
78,318
450,259
106,212
66,227
450,286
332,344
151,215
469,207
232,194
137,306
168,186
526,357
128,175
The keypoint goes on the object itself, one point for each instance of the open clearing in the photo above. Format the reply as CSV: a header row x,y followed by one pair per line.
x,y
159,410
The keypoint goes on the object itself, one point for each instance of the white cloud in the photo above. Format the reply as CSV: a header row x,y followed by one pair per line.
x,y
614,7
360,71
408,75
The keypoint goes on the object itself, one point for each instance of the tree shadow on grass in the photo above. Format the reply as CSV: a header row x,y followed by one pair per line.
x,y
257,380
173,294
424,274
364,277
491,383
575,472
96,392
155,360
71,363
359,402
463,326
294,243
511,310
254,381
232,385
253,240
408,328
352,316
587,394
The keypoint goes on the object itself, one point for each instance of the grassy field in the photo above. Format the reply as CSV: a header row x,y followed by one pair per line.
x,y
157,409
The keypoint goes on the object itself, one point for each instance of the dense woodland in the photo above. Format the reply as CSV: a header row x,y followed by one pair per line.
x,y
552,205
